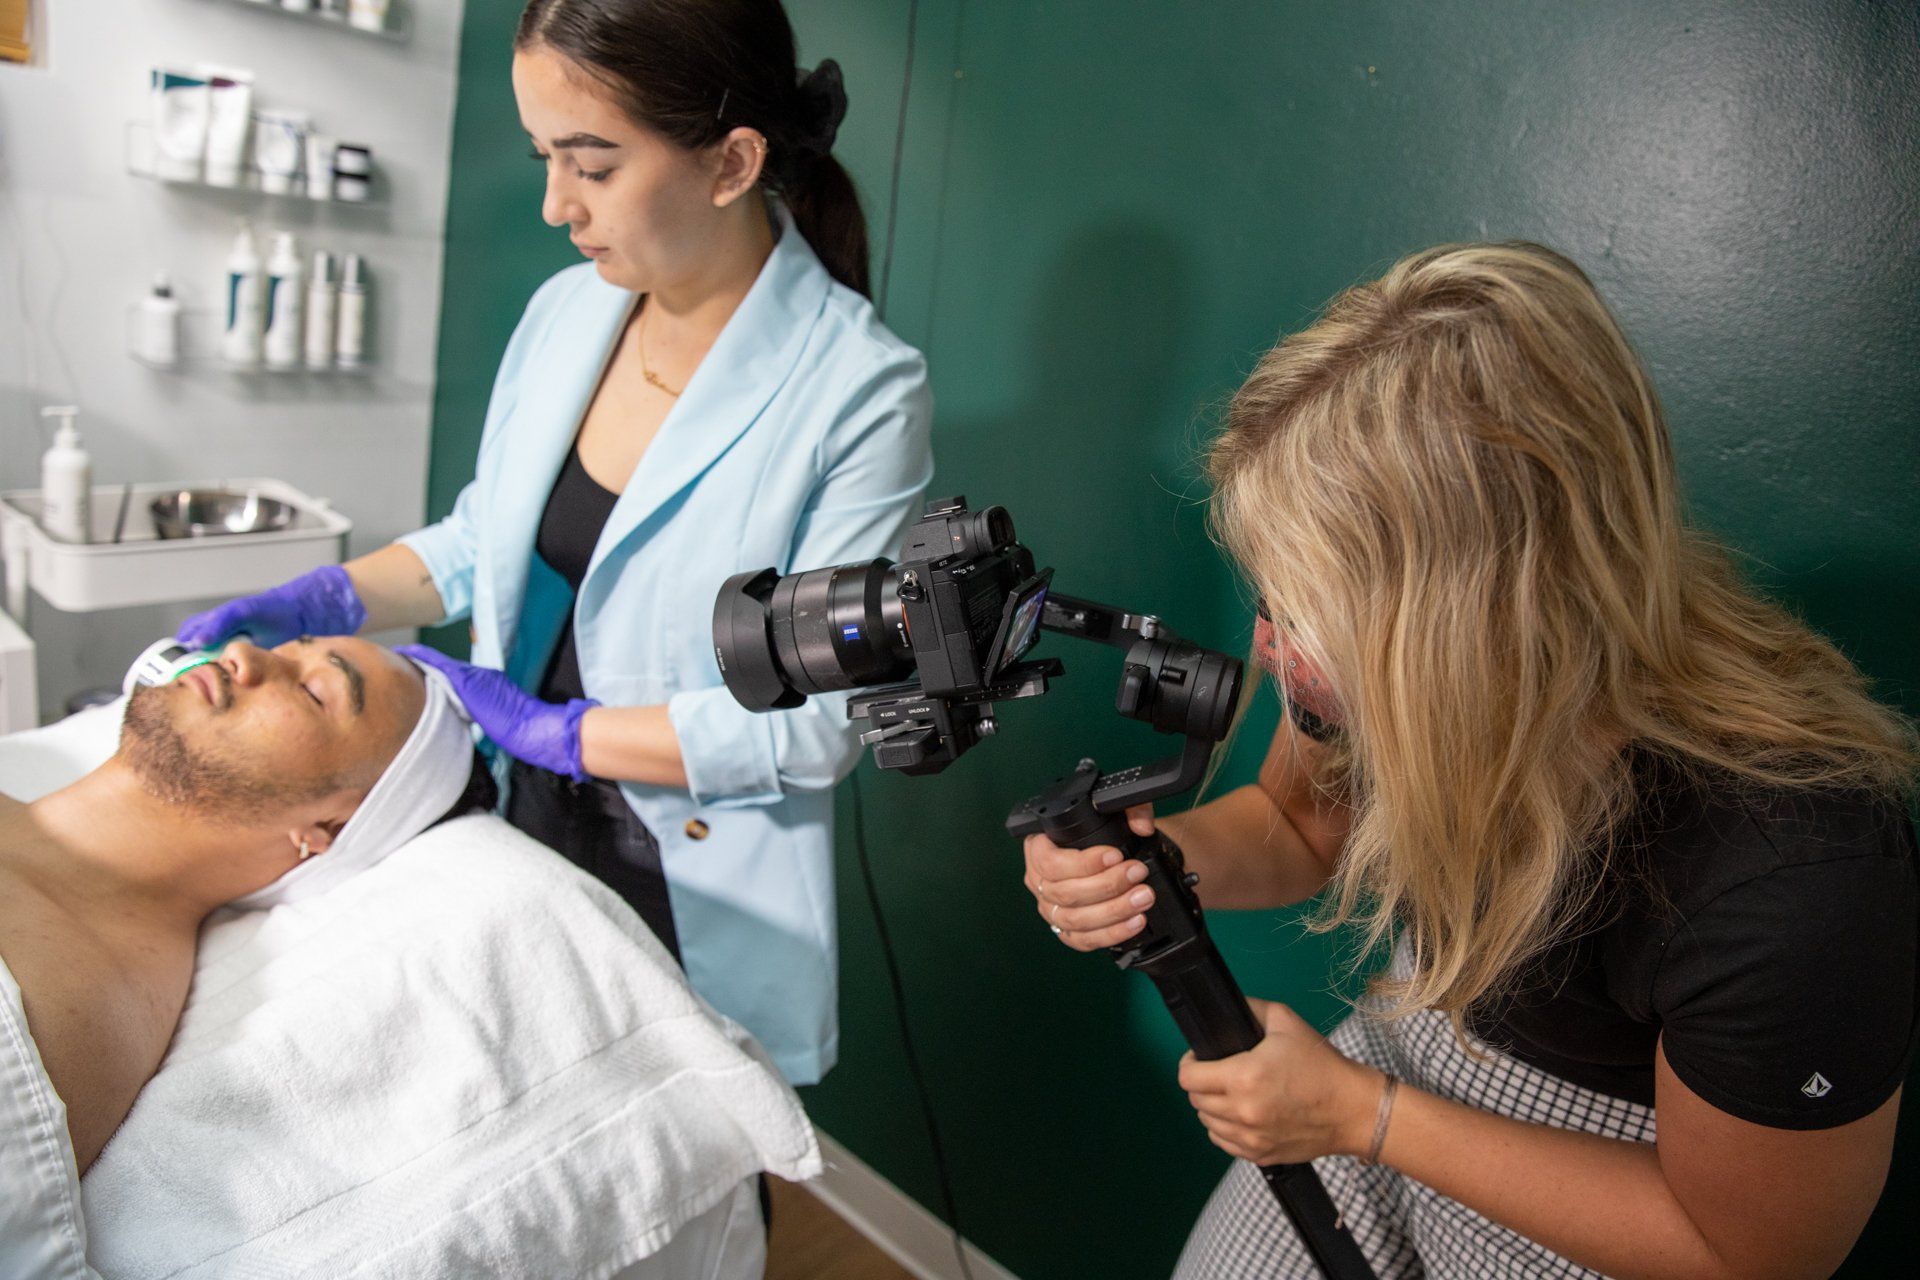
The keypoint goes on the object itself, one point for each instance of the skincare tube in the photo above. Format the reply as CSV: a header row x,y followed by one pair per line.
x,y
320,149
279,137
180,109
368,15
230,121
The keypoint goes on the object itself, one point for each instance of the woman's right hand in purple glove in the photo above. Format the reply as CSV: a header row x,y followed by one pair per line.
x,y
320,603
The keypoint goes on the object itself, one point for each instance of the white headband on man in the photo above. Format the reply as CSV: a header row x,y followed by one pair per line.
x,y
422,783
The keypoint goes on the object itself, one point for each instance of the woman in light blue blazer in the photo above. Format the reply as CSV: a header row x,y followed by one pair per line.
x,y
711,393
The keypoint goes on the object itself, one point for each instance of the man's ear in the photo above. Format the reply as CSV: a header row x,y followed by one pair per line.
x,y
742,155
315,837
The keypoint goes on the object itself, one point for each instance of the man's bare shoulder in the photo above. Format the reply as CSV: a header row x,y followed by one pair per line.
x,y
100,1022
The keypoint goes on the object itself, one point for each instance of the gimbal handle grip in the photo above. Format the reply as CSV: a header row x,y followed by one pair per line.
x,y
1176,951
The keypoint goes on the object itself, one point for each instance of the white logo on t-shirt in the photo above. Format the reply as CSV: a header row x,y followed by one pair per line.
x,y
1817,1086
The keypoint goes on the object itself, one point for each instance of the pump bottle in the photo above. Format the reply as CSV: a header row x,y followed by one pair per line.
x,y
246,302
286,303
323,301
66,480
351,347
159,329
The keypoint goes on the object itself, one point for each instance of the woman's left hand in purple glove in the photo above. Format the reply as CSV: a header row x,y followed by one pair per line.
x,y
543,734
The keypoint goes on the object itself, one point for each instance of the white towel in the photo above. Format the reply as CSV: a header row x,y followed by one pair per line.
x,y
472,1059
418,787
38,762
42,1234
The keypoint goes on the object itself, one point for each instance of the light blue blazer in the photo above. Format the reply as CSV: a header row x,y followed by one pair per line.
x,y
800,442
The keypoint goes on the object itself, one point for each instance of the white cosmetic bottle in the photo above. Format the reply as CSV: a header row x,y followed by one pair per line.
x,y
286,303
66,480
157,339
246,303
323,297
351,350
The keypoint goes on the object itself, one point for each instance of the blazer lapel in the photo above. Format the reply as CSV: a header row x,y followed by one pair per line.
x,y
749,362
548,414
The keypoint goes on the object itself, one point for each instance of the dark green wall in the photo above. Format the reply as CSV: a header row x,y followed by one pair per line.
x,y
1107,212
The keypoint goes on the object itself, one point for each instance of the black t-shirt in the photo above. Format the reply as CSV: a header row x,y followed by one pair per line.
x,y
576,512
1767,939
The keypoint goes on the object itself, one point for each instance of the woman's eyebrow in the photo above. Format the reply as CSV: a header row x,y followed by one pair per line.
x,y
574,140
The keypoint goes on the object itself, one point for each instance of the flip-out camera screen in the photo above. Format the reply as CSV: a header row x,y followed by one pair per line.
x,y
1019,624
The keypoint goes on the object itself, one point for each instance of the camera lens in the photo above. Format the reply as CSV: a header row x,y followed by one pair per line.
x,y
779,639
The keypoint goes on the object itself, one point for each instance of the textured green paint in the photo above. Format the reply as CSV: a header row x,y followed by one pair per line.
x,y
1107,211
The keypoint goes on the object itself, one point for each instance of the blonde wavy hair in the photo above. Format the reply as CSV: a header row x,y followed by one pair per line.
x,y
1456,494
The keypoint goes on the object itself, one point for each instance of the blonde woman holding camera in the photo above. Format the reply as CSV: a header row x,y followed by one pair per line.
x,y
1639,837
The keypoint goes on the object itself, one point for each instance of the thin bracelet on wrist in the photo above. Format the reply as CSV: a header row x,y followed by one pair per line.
x,y
1380,1119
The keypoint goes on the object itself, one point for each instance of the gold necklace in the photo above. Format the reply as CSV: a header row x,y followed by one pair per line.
x,y
640,343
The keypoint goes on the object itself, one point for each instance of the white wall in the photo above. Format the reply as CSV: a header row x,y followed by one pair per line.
x,y
80,239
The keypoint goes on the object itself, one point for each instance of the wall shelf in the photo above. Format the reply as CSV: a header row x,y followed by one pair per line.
x,y
398,29
200,335
142,163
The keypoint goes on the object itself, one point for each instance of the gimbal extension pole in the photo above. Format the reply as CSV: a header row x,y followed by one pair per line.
x,y
1176,951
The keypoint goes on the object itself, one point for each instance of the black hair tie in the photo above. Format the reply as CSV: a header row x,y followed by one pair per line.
x,y
823,105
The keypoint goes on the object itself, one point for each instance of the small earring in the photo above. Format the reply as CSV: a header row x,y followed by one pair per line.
x,y
1292,663
305,852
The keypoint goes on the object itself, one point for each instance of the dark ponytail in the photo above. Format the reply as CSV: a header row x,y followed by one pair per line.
x,y
693,70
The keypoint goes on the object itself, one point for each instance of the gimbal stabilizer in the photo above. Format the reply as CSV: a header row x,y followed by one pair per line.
x,y
931,644
1178,688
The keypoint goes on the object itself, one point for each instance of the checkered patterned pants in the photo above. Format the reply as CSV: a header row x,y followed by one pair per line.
x,y
1402,1227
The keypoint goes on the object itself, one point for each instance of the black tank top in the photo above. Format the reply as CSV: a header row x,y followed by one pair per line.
x,y
577,510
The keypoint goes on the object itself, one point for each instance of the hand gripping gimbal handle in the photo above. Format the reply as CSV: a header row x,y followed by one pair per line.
x,y
1176,951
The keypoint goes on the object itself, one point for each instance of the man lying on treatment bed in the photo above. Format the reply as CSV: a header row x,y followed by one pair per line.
x,y
407,1047
225,780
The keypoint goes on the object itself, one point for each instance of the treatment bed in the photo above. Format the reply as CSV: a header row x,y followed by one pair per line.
x,y
470,1059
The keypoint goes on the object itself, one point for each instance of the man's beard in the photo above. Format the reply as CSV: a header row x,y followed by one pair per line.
x,y
175,773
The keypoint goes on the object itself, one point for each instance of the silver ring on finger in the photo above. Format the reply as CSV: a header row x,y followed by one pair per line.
x,y
1056,929
1053,916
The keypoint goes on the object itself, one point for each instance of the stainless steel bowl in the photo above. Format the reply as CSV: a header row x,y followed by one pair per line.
x,y
205,513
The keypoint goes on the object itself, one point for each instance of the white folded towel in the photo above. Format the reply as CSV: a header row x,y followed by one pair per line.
x,y
419,786
472,1059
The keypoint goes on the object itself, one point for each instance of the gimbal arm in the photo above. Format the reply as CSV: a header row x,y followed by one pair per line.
x,y
1100,623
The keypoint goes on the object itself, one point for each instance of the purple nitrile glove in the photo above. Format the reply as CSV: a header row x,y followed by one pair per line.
x,y
321,602
544,734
